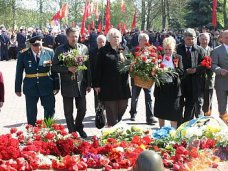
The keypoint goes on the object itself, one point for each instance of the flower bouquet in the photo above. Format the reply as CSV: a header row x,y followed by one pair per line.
x,y
72,58
206,62
146,67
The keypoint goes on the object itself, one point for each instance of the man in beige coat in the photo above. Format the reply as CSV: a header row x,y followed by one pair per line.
x,y
220,67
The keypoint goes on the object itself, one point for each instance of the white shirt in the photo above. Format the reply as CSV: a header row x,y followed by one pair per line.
x,y
168,64
35,54
186,48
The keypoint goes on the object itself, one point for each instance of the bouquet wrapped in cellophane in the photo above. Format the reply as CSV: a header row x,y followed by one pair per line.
x,y
72,58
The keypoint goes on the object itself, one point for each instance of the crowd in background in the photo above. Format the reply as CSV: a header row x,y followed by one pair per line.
x,y
191,91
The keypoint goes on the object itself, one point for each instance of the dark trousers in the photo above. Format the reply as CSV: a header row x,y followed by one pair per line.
x,y
204,104
115,111
74,124
134,101
48,102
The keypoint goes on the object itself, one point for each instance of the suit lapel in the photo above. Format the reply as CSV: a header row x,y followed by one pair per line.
x,y
194,56
225,51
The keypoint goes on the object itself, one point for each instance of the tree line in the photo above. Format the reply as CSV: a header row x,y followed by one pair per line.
x,y
151,14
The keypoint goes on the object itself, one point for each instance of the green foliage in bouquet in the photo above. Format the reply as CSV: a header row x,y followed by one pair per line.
x,y
72,58
49,122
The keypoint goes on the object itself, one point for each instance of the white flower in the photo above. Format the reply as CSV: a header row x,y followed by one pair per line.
x,y
193,131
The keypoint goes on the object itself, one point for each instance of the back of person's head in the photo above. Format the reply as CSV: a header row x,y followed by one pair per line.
x,y
149,161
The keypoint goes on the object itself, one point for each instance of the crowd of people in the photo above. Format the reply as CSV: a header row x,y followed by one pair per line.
x,y
180,99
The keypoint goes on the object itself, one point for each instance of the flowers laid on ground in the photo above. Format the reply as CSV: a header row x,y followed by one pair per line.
x,y
49,146
146,64
73,58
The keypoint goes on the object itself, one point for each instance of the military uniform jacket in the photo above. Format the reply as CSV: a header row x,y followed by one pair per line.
x,y
37,86
69,87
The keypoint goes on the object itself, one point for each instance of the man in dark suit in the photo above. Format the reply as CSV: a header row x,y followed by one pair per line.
x,y
60,39
49,40
101,41
204,106
2,92
73,88
21,39
4,41
192,55
39,82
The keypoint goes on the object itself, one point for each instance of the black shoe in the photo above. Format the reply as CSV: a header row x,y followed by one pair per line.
x,y
132,118
151,121
82,134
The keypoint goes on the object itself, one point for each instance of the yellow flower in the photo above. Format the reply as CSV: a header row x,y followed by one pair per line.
x,y
142,146
136,129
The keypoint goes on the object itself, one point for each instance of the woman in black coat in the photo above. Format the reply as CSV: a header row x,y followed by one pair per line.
x,y
112,85
167,96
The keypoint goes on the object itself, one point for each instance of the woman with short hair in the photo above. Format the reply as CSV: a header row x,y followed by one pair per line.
x,y
112,85
167,96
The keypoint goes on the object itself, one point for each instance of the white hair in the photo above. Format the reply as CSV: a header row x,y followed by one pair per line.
x,y
207,35
189,32
143,35
102,37
113,31
169,41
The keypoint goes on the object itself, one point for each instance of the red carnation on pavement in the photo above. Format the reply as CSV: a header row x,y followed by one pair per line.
x,y
13,130
49,136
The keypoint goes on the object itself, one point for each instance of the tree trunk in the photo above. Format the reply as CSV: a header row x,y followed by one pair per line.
x,y
163,14
149,7
168,12
14,13
41,14
143,15
225,14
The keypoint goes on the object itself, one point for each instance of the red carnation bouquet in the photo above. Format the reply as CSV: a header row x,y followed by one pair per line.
x,y
206,62
146,64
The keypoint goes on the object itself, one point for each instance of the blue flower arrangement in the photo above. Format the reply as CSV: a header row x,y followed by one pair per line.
x,y
162,133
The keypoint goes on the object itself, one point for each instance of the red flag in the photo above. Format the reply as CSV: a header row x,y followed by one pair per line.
x,y
107,18
92,25
64,10
133,22
57,16
123,6
89,28
99,29
214,13
84,17
123,29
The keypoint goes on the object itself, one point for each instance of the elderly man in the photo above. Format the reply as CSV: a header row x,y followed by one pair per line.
x,y
220,67
73,88
192,55
143,39
101,41
39,82
204,106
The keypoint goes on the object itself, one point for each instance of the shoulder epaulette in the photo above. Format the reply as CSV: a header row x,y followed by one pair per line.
x,y
47,48
24,50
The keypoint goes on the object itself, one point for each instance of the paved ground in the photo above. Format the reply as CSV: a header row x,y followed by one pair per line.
x,y
13,112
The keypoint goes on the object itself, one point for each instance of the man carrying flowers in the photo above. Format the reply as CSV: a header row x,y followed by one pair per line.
x,y
71,62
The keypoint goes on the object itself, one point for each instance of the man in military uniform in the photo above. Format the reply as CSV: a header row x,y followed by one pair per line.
x,y
39,82
73,89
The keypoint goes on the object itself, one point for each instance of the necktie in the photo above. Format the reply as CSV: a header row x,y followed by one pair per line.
x,y
188,52
37,58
